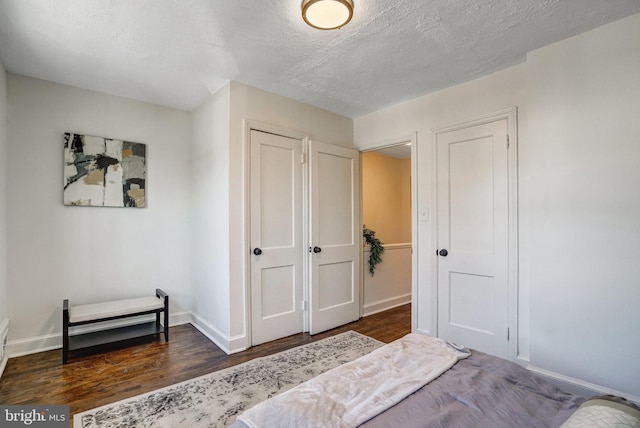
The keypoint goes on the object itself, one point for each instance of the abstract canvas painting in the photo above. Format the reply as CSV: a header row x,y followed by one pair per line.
x,y
104,172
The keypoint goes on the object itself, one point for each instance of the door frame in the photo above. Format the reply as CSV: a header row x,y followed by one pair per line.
x,y
413,139
511,115
248,126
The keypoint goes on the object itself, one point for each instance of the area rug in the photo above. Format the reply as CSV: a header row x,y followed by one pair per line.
x,y
214,400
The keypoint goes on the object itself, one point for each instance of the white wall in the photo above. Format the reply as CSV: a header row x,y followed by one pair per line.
x,y
3,211
260,106
579,202
89,254
583,198
209,220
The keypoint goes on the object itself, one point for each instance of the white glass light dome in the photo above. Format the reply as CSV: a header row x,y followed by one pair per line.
x,y
327,14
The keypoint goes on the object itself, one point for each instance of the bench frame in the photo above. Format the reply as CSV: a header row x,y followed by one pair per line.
x,y
112,336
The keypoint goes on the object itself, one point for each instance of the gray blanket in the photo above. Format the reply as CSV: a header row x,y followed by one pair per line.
x,y
480,391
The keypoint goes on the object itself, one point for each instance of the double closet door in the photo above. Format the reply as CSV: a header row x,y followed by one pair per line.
x,y
304,236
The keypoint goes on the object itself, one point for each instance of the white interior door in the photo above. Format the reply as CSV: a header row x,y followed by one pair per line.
x,y
473,240
334,248
277,252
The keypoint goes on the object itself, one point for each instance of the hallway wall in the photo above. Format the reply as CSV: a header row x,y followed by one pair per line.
x,y
386,209
386,197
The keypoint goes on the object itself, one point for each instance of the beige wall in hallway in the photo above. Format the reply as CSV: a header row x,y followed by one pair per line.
x,y
386,197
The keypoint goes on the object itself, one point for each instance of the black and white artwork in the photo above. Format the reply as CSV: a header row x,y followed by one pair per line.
x,y
104,172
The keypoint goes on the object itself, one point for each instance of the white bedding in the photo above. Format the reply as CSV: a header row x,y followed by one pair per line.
x,y
355,392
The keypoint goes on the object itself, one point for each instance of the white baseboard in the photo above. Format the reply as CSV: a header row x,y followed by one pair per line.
x,y
211,332
386,304
179,318
238,344
577,386
3,364
230,345
423,331
4,355
32,345
4,334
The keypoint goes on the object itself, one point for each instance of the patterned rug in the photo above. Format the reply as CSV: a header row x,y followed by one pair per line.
x,y
214,400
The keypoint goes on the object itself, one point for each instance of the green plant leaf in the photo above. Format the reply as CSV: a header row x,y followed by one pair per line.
x,y
377,248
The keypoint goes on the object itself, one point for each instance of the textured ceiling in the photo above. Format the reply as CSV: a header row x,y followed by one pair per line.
x,y
177,52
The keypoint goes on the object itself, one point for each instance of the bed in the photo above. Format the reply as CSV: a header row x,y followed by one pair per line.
x,y
401,385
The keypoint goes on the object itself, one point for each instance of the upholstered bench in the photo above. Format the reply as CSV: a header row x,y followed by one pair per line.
x,y
107,311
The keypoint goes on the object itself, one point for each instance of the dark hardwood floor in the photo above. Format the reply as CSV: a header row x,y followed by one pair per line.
x,y
92,381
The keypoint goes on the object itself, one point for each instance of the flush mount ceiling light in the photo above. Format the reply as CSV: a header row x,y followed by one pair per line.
x,y
327,14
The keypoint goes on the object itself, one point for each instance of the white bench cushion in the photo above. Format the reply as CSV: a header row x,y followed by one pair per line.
x,y
113,309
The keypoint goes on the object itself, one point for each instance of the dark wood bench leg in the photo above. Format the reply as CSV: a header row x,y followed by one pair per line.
x,y
65,331
161,294
166,318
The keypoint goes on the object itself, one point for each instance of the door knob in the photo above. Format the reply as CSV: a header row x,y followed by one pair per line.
x,y
257,251
443,253
317,249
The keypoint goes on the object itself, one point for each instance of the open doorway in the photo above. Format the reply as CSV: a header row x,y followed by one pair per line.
x,y
386,210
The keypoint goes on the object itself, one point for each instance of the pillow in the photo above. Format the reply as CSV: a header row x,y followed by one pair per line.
x,y
605,411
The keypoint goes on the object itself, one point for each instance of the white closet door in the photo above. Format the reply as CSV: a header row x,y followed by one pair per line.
x,y
473,239
277,251
335,245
